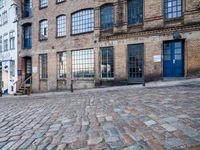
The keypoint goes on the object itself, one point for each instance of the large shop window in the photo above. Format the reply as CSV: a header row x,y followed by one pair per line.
x,y
43,3
172,9
107,16
43,66
83,21
135,12
61,65
43,29
12,40
83,63
107,62
61,26
27,36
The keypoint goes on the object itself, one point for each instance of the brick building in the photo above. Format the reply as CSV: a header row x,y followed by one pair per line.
x,y
107,42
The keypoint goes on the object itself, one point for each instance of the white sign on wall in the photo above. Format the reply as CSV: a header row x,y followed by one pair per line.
x,y
157,58
34,69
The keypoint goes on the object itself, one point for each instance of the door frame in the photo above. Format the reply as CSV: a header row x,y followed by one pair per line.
x,y
143,65
183,54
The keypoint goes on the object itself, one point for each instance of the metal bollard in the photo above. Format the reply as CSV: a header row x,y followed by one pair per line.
x,y
72,89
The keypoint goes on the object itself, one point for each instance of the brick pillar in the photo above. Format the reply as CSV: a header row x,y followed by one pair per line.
x,y
52,79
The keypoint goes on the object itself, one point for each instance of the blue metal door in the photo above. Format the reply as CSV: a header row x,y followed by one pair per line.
x,y
173,59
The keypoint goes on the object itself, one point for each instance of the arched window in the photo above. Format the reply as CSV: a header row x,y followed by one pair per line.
x,y
135,11
61,26
83,21
107,16
172,9
43,29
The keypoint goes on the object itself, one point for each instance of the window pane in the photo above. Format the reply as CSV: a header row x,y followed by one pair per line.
x,y
43,3
83,63
83,21
61,26
173,8
61,65
107,17
44,29
107,65
43,66
135,11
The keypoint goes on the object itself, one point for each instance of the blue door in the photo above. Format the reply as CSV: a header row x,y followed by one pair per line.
x,y
173,59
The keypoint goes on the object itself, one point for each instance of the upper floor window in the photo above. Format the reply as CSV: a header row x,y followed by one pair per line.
x,y
4,17
43,3
5,42
61,26
83,21
60,1
0,21
1,3
12,40
135,11
27,8
27,36
1,44
107,16
172,9
43,29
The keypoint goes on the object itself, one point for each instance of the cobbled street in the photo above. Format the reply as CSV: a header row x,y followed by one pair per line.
x,y
159,116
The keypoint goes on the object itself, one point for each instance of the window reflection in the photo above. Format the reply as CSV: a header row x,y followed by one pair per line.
x,y
83,63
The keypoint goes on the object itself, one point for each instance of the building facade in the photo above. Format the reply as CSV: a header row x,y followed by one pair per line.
x,y
8,46
94,43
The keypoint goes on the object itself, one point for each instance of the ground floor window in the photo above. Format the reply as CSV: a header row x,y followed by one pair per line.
x,y
83,63
61,65
43,66
107,62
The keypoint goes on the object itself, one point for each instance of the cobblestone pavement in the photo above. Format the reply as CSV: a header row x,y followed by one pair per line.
x,y
164,116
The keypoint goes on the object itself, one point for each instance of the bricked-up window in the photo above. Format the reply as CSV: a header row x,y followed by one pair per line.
x,y
43,66
83,21
5,42
4,17
43,3
1,44
107,16
135,11
61,25
172,9
43,29
107,62
12,39
27,36
61,65
83,63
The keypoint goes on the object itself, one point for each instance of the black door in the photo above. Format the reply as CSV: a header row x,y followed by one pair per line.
x,y
28,69
136,63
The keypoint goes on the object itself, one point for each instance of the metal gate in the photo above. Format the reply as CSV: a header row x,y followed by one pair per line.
x,y
136,63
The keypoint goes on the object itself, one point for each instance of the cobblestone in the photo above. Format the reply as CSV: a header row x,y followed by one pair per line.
x,y
126,118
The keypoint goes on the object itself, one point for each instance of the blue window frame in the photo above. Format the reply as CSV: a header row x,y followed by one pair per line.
x,y
107,16
27,8
135,12
172,9
27,36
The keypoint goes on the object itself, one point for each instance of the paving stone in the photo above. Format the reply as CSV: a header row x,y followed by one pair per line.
x,y
94,138
127,139
8,145
150,122
168,127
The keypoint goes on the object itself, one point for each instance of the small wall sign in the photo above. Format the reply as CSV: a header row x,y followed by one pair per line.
x,y
157,58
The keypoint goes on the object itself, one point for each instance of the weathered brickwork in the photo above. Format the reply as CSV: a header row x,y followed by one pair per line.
x,y
154,30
